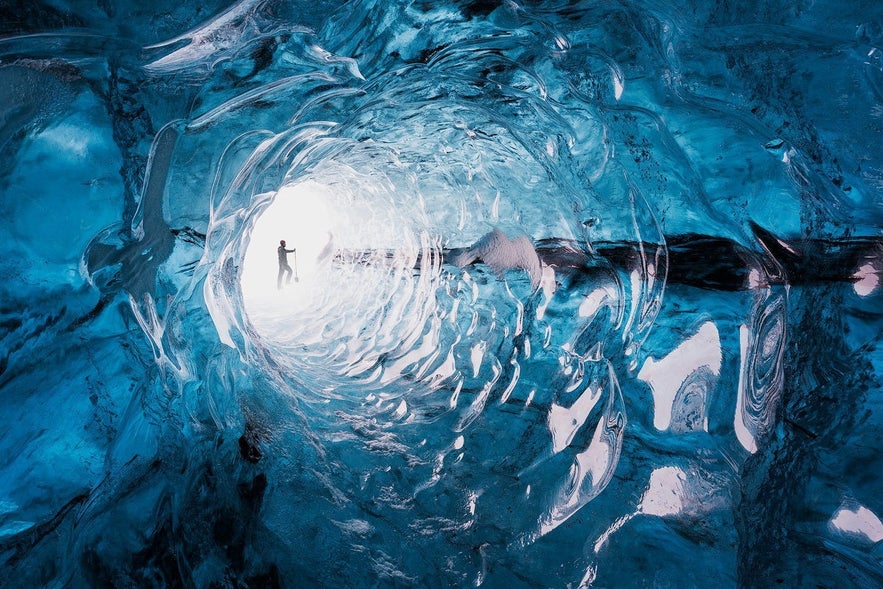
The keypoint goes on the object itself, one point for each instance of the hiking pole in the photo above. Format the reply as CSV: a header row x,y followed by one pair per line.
x,y
296,279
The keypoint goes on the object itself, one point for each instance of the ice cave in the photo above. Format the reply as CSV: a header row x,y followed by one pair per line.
x,y
464,293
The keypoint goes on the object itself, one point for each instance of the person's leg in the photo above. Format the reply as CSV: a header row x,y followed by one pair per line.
x,y
288,272
279,278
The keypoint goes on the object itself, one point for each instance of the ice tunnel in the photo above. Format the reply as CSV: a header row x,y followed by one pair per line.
x,y
441,294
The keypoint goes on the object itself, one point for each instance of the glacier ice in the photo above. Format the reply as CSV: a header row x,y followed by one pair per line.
x,y
588,294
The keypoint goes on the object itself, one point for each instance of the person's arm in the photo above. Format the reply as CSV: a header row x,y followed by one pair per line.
x,y
291,251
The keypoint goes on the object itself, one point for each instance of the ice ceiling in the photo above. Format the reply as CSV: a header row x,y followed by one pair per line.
x,y
583,294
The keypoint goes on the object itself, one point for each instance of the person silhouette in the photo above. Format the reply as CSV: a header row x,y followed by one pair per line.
x,y
283,264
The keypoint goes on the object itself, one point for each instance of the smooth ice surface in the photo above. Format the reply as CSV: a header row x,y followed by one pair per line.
x,y
584,294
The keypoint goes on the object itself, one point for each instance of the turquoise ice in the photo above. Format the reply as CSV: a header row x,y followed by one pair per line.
x,y
588,294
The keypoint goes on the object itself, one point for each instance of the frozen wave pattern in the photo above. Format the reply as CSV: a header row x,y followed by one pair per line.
x,y
439,310
762,345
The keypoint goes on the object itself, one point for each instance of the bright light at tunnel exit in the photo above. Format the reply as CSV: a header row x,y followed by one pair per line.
x,y
299,215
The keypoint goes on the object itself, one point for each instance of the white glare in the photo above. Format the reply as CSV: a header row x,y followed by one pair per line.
x,y
299,215
860,521
866,280
665,492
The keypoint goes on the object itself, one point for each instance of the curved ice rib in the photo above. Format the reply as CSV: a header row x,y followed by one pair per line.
x,y
260,93
648,276
223,35
592,469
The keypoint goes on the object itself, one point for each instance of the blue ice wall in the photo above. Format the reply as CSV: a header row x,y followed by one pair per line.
x,y
591,296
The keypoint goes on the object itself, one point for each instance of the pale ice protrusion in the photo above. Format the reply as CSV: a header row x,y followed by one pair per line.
x,y
755,279
600,296
476,356
589,474
601,541
402,409
357,527
501,253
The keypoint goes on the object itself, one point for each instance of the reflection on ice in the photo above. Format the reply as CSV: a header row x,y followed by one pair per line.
x,y
682,381
858,520
665,492
867,279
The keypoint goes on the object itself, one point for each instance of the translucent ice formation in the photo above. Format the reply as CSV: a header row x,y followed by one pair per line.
x,y
583,294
